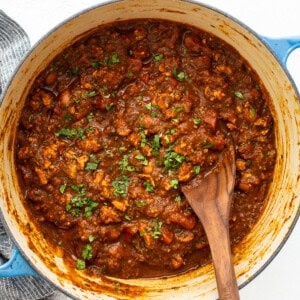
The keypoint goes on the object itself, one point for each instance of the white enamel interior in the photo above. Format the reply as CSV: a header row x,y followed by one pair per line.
x,y
283,199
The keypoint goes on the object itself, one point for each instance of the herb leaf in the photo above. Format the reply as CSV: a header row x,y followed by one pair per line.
x,y
173,160
62,188
87,252
197,121
196,169
155,145
70,133
141,203
238,94
114,59
80,264
156,229
120,186
143,139
158,57
91,166
174,183
149,187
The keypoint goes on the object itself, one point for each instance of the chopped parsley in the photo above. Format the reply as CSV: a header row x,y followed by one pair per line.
x,y
208,146
196,169
174,183
141,203
91,166
177,108
90,117
238,94
67,118
71,133
143,139
149,187
124,164
180,76
80,264
87,252
142,158
252,111
155,144
178,198
197,121
171,131
120,186
62,188
80,201
114,59
89,94
156,229
149,106
109,106
91,238
173,160
158,57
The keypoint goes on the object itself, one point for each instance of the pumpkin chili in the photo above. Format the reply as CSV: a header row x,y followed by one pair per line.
x,y
117,122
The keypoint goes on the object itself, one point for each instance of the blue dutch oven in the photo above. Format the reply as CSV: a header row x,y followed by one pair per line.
x,y
33,256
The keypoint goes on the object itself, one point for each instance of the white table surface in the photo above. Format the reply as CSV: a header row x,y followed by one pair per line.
x,y
272,18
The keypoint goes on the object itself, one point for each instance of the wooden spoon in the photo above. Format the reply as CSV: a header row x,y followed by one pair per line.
x,y
210,198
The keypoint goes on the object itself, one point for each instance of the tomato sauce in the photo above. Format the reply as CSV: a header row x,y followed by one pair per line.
x,y
114,126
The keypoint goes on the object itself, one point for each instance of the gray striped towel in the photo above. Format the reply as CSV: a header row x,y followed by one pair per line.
x,y
14,44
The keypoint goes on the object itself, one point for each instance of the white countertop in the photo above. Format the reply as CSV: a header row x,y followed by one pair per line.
x,y
272,18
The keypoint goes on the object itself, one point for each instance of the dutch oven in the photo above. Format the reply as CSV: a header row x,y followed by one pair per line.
x,y
268,235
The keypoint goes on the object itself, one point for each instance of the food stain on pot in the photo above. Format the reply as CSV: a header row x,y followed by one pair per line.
x,y
168,10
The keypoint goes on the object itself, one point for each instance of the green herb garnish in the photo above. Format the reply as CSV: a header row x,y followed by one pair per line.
x,y
238,94
87,252
173,160
196,169
143,139
157,58
252,112
180,76
174,183
90,117
80,264
62,188
144,160
141,203
91,238
149,187
71,133
120,186
155,144
91,166
178,198
208,146
89,94
156,229
197,121
114,59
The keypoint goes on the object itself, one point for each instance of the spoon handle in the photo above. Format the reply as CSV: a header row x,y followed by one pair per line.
x,y
210,200
218,238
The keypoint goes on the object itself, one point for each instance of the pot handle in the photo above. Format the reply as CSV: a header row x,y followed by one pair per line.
x,y
16,266
283,46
